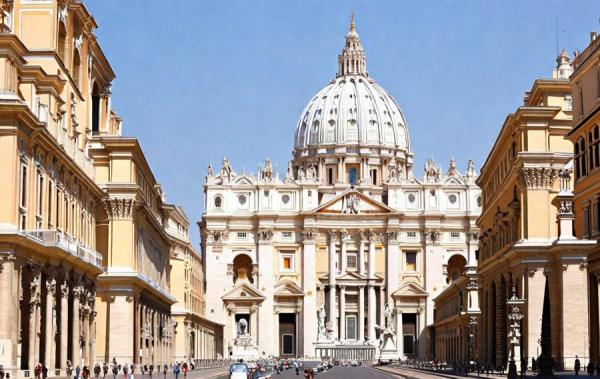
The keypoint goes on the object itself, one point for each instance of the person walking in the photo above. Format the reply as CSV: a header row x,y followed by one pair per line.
x,y
132,367
1,371
176,370
44,371
165,369
577,365
104,370
97,370
77,372
115,369
125,370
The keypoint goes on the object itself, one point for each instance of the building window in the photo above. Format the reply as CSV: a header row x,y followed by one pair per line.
x,y
23,197
242,199
452,199
49,205
287,262
286,235
479,202
580,158
330,176
586,221
409,344
410,261
595,147
411,234
218,202
351,327
242,235
374,176
597,216
285,199
568,103
352,261
39,199
352,176
454,235
580,102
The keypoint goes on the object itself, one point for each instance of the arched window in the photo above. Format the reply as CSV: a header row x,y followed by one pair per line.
x,y
352,176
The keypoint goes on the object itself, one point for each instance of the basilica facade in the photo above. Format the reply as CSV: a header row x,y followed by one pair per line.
x,y
344,254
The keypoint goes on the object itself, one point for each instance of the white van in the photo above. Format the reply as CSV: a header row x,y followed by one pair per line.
x,y
238,371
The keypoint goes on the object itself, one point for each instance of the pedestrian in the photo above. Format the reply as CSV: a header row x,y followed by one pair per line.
x,y
533,365
145,369
104,370
132,367
1,371
44,371
84,372
77,372
165,369
69,369
577,366
115,370
590,368
151,370
185,369
97,370
176,369
523,367
125,370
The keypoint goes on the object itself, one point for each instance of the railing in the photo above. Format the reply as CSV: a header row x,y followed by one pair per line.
x,y
66,243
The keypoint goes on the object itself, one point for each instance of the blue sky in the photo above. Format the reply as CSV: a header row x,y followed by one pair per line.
x,y
199,80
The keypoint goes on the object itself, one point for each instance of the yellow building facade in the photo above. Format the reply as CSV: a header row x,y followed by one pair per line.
x,y
585,136
84,247
526,231
197,338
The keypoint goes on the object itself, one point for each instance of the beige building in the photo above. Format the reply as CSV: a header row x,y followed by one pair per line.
x,y
84,253
585,136
196,338
526,231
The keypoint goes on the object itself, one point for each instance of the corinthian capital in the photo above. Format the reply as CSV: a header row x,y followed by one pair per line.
x,y
119,208
265,235
538,177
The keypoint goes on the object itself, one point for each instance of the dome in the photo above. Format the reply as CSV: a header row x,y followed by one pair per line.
x,y
353,110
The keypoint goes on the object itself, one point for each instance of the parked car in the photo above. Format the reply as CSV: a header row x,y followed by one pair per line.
x,y
354,363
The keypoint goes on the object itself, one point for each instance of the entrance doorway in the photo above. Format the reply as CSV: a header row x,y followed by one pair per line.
x,y
287,335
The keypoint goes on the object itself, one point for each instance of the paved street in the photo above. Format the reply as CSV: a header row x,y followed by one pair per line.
x,y
337,372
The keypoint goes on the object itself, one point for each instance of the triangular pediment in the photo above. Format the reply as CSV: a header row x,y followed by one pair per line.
x,y
413,180
288,288
353,202
454,180
243,180
289,181
244,292
410,290
351,276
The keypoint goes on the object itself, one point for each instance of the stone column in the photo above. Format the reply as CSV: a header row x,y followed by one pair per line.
x,y
9,320
342,312
382,306
400,335
64,323
361,254
392,265
332,276
137,335
75,323
85,323
343,257
371,263
371,307
361,313
266,340
50,324
309,286
92,352
34,317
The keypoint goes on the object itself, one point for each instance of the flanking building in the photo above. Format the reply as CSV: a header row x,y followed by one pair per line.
x,y
585,136
196,338
343,256
84,254
526,232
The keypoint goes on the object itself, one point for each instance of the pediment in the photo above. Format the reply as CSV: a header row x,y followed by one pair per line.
x,y
413,180
351,276
243,180
288,288
289,181
454,180
410,290
353,202
244,292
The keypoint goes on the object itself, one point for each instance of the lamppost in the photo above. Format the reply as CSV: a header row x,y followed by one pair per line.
x,y
515,316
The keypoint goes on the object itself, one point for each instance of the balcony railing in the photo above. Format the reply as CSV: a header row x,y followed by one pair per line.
x,y
54,238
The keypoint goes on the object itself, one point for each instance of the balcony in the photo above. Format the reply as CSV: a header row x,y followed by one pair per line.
x,y
54,238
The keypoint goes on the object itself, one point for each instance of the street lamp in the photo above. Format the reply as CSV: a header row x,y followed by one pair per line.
x,y
514,332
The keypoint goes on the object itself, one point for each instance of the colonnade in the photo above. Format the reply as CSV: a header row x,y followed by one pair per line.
x,y
155,334
372,288
451,344
52,309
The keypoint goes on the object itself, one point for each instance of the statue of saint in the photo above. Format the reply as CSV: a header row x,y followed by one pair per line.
x,y
242,329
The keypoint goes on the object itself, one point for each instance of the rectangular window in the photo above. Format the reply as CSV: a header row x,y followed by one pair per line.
x,y
242,235
58,208
330,176
410,261
49,210
287,261
454,235
352,261
586,221
597,217
39,199
23,190
351,327
374,177
286,235
411,234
